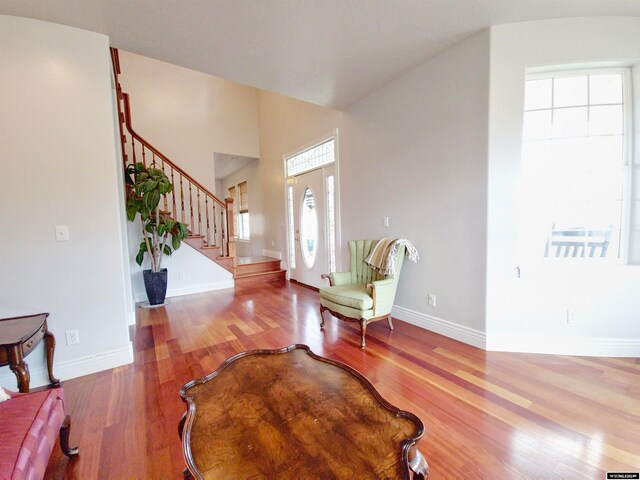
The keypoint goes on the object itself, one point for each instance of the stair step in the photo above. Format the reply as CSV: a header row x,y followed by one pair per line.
x,y
210,247
252,265
262,277
196,236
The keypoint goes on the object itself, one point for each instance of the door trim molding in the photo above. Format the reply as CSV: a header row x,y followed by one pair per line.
x,y
336,166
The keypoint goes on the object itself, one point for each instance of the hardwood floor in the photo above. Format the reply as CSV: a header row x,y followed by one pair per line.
x,y
487,415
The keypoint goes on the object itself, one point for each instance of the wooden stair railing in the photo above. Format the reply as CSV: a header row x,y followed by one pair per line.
x,y
190,202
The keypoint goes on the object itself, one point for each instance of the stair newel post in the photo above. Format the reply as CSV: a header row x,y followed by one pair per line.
x,y
231,239
206,214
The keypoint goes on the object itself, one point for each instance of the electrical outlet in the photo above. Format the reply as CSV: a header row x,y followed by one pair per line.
x,y
385,221
72,337
183,275
571,316
431,298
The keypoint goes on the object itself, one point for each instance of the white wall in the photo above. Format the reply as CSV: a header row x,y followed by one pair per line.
x,y
417,153
59,167
414,151
286,125
189,115
200,273
249,173
529,314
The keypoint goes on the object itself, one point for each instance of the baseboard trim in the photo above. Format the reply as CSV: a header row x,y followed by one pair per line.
x,y
467,335
191,289
583,346
272,254
77,367
542,344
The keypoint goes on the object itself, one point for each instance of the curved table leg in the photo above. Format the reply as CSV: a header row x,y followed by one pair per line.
x,y
21,371
20,368
50,343
419,466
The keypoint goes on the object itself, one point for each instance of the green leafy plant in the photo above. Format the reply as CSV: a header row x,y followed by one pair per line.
x,y
161,234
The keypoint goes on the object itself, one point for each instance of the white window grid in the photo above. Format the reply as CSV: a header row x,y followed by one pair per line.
x,y
624,104
312,158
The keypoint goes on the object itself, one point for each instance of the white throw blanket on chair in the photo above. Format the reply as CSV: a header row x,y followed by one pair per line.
x,y
382,257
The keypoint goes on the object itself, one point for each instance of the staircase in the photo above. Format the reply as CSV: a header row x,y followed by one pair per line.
x,y
208,218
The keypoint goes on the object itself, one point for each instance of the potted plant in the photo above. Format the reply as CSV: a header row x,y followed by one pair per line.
x,y
161,235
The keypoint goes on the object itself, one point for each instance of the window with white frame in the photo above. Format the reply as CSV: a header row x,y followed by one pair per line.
x,y
240,195
574,163
243,211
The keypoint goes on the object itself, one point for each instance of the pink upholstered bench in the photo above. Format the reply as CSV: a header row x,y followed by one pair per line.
x,y
29,425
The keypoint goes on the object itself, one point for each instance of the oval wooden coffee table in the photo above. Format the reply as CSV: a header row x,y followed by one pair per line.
x,y
291,414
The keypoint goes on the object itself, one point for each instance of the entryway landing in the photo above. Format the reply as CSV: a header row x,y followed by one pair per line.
x,y
258,269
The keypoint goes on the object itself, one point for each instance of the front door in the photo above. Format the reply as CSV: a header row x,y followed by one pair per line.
x,y
310,227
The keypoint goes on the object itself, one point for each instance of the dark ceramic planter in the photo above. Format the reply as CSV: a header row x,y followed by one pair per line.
x,y
155,283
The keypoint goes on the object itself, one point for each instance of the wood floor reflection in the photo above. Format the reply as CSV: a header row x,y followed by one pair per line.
x,y
487,415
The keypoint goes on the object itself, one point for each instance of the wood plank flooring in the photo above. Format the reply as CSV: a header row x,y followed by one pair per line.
x,y
487,415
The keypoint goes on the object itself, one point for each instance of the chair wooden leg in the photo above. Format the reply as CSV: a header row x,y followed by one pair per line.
x,y
64,438
390,322
363,329
322,309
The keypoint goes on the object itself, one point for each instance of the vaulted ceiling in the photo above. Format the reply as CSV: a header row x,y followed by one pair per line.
x,y
329,52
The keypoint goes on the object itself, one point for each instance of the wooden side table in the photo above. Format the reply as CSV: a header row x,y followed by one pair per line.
x,y
18,337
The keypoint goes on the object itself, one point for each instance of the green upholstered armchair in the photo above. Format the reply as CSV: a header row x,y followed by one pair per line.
x,y
361,294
